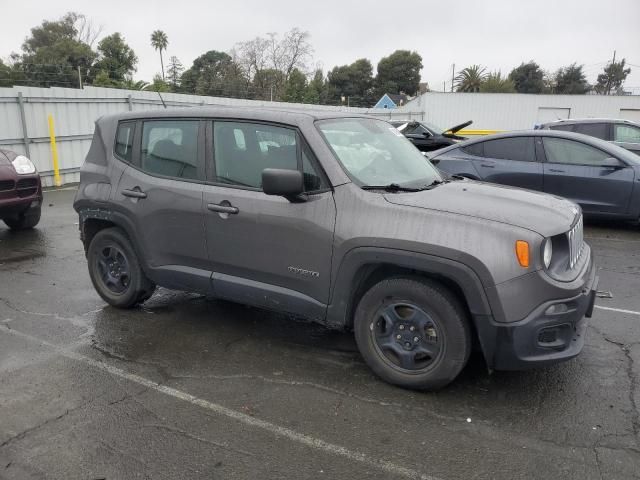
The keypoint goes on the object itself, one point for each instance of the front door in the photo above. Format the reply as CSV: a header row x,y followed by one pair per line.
x,y
160,193
510,161
267,250
587,175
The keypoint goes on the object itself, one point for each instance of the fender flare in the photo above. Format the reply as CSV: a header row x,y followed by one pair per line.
x,y
355,263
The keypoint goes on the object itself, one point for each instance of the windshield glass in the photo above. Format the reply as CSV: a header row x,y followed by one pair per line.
x,y
374,153
433,128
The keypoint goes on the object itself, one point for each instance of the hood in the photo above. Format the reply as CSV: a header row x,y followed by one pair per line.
x,y
539,212
4,157
451,133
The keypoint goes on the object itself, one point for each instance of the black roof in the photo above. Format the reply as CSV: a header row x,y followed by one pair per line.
x,y
269,114
573,121
596,142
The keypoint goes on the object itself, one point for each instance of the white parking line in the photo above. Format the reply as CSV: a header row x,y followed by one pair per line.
x,y
301,438
632,312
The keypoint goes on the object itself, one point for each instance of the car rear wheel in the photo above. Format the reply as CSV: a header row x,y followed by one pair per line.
x,y
413,333
25,220
115,270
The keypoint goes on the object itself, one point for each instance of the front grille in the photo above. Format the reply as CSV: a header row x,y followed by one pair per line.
x,y
27,187
576,242
6,185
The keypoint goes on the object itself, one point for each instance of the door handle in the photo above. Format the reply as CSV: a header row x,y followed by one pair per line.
x,y
487,165
555,170
214,207
135,193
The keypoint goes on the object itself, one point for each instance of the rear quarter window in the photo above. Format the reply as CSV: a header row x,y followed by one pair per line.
x,y
124,141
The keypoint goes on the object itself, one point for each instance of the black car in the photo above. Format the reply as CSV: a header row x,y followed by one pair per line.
x,y
428,137
600,176
621,132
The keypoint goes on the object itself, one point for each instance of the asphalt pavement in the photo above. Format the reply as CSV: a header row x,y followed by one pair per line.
x,y
190,388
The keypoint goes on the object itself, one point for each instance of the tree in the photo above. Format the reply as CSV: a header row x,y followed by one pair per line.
x,y
103,79
295,87
612,78
470,79
528,78
52,55
316,92
354,81
213,73
158,85
496,83
256,56
116,58
174,71
159,41
399,72
130,84
571,80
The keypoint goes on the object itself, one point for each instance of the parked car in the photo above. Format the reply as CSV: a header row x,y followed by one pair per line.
x,y
20,191
600,176
427,137
338,219
621,132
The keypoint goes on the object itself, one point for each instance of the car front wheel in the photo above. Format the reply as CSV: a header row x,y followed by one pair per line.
x,y
413,333
115,270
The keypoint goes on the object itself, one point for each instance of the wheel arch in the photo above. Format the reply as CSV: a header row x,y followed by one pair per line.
x,y
364,267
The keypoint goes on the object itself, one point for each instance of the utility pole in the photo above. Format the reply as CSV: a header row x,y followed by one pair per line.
x,y
453,74
79,78
272,93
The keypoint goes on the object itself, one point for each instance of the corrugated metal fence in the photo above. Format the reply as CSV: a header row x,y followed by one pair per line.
x,y
24,112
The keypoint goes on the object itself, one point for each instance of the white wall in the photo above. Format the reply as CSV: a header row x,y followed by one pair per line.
x,y
514,111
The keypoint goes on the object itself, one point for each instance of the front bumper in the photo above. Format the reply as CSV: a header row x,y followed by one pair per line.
x,y
553,332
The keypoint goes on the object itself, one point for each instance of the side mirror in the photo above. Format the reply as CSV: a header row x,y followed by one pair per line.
x,y
612,162
285,183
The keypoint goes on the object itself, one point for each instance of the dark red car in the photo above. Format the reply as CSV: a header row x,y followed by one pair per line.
x,y
20,191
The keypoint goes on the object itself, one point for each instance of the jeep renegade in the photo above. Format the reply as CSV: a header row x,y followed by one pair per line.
x,y
339,219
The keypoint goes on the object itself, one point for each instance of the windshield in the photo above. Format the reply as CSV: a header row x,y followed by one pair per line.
x,y
375,153
433,128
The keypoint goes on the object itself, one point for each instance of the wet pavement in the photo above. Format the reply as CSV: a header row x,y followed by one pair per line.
x,y
190,388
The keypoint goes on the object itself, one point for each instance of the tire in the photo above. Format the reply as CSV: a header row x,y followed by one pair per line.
x,y
25,220
413,333
115,270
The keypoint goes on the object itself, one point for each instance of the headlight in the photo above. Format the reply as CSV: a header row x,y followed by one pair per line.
x,y
23,165
547,252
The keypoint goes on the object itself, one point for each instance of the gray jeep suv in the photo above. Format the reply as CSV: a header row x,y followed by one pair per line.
x,y
338,219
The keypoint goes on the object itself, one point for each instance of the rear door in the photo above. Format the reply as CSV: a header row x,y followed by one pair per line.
x,y
267,250
583,173
160,193
509,161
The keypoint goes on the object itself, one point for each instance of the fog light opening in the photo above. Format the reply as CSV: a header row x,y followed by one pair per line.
x,y
557,309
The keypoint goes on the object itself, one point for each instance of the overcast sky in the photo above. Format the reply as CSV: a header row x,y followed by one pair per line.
x,y
499,34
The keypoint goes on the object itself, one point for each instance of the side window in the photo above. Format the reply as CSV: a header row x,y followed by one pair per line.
x,y
626,133
422,131
563,127
124,140
243,150
559,150
476,149
312,179
599,130
515,148
170,148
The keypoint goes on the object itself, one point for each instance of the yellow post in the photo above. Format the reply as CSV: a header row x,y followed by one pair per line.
x,y
54,153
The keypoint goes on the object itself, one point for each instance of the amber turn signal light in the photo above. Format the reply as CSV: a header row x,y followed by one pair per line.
x,y
522,252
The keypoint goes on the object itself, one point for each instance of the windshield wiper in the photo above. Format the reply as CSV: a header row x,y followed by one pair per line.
x,y
391,187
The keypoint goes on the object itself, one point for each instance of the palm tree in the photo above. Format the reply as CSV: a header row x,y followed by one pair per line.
x,y
469,79
159,41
